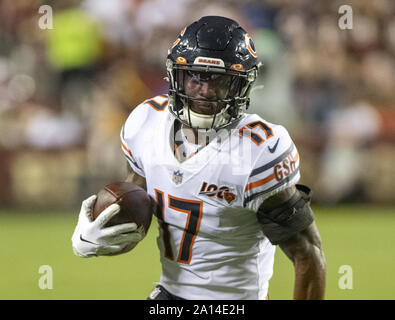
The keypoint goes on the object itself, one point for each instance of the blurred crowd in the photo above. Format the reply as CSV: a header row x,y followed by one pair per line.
x,y
72,71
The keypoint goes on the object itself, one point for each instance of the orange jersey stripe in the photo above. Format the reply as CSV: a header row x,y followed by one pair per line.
x,y
269,178
127,150
296,157
259,182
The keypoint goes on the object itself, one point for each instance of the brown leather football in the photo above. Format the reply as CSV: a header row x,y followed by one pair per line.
x,y
136,205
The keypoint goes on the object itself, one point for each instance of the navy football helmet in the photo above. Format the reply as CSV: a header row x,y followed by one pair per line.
x,y
218,50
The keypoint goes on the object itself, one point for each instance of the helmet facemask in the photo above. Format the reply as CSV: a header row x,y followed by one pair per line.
x,y
230,89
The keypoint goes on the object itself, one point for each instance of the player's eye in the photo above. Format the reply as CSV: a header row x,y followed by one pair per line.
x,y
195,76
202,76
206,76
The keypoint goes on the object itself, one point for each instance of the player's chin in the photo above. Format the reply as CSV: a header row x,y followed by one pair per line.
x,y
203,107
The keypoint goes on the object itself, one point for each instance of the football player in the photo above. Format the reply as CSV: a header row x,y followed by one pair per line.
x,y
225,181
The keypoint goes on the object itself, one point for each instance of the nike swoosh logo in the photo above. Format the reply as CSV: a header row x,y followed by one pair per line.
x,y
82,239
272,149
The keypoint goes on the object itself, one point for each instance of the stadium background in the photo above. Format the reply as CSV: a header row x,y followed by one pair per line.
x,y
65,92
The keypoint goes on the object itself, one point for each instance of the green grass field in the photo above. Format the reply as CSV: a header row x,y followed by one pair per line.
x,y
361,237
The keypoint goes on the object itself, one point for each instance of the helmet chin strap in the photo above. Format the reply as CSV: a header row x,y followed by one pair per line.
x,y
204,121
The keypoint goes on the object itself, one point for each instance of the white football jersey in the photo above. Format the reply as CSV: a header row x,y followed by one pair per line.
x,y
211,244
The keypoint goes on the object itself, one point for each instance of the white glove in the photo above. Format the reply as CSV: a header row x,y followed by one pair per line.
x,y
90,238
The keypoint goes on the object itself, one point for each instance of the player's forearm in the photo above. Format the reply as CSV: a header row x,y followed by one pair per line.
x,y
310,271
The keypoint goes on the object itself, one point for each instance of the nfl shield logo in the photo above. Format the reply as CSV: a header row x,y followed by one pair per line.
x,y
177,177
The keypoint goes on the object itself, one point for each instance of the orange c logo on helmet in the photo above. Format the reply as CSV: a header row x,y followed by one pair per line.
x,y
250,46
238,67
181,60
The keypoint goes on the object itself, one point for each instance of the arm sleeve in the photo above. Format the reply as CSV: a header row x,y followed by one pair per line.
x,y
273,171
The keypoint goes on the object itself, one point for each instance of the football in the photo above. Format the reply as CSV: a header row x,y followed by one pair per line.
x,y
136,205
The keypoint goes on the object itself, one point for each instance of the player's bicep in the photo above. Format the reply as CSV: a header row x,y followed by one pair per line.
x,y
280,197
135,178
286,213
